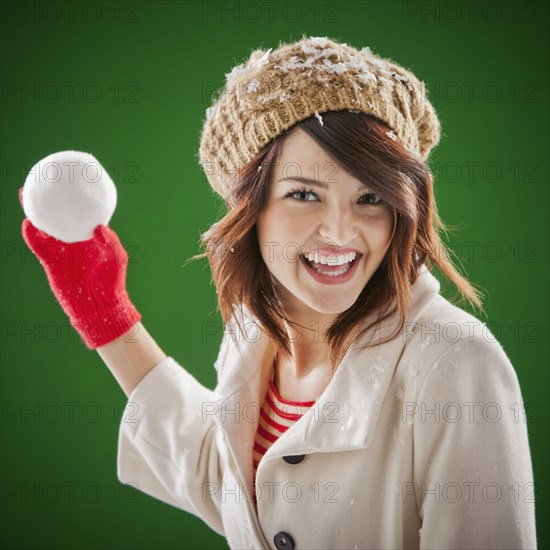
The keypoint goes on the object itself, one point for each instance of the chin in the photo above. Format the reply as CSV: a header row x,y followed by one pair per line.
x,y
294,299
328,307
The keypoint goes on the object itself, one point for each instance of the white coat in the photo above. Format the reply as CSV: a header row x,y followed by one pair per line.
x,y
417,443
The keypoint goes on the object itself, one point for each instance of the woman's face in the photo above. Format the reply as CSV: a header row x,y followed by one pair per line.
x,y
337,218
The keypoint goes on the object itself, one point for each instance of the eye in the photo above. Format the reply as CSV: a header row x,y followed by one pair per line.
x,y
372,197
307,195
301,191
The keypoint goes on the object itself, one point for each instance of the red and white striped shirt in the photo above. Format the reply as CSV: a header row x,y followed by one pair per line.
x,y
276,416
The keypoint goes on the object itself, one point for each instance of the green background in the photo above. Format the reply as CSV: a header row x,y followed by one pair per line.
x,y
155,65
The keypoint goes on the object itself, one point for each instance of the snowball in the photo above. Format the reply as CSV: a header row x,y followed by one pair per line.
x,y
67,194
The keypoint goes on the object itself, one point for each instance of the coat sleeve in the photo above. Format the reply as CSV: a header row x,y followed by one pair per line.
x,y
472,463
168,447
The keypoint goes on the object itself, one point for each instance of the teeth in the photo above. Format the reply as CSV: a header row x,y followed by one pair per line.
x,y
331,260
334,273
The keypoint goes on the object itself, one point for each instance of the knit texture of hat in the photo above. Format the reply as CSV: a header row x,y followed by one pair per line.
x,y
273,90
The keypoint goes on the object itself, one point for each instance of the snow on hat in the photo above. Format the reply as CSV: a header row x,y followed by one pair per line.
x,y
273,90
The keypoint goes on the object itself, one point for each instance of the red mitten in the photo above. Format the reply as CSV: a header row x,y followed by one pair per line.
x,y
88,279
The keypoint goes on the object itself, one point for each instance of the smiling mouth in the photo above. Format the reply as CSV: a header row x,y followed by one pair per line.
x,y
331,270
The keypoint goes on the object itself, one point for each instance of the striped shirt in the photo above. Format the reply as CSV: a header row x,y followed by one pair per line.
x,y
276,416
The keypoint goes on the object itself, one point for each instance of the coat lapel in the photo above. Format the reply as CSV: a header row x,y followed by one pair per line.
x,y
243,366
344,416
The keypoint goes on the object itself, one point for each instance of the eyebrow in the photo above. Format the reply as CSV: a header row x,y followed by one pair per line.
x,y
309,181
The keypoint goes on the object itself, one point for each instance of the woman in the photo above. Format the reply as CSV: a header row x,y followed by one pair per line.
x,y
355,406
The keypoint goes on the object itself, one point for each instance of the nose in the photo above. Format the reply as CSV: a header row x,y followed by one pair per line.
x,y
338,225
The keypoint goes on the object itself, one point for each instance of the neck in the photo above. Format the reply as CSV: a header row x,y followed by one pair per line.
x,y
310,353
308,345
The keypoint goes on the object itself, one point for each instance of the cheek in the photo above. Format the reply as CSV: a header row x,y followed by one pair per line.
x,y
280,238
378,232
270,236
266,229
274,225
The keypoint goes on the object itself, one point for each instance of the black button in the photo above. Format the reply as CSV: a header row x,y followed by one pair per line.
x,y
294,459
283,541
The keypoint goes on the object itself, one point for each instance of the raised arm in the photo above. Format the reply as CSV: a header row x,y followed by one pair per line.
x,y
131,356
167,448
88,279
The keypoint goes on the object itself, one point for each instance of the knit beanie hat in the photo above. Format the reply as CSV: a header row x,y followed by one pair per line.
x,y
273,90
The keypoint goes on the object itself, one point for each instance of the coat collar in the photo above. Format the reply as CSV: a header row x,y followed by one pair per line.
x,y
343,417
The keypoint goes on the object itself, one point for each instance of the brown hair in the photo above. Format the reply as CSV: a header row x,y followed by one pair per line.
x,y
362,145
